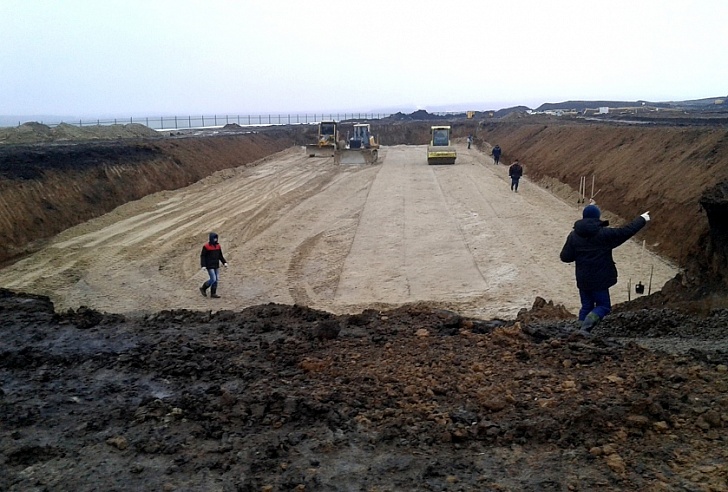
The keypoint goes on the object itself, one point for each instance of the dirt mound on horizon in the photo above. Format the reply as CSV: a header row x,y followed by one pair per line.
x,y
33,132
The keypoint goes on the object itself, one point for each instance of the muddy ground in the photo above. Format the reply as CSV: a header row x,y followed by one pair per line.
x,y
280,397
422,393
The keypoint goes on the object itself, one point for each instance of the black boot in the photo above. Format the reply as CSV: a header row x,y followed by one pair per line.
x,y
213,292
203,289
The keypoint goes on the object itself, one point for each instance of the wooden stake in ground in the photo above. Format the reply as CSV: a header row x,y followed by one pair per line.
x,y
593,178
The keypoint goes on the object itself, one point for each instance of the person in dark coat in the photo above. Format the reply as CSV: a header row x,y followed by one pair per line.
x,y
210,260
515,172
496,153
590,245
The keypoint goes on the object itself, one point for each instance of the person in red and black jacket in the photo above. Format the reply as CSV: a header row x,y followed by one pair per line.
x,y
210,259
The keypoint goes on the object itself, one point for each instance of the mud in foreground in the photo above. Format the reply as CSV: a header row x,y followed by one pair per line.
x,y
287,398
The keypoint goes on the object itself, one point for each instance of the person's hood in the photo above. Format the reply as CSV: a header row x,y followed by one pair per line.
x,y
589,227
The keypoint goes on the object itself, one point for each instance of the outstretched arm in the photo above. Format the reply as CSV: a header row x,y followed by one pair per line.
x,y
619,235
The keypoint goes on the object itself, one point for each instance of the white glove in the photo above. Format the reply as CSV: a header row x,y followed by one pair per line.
x,y
225,264
204,268
646,216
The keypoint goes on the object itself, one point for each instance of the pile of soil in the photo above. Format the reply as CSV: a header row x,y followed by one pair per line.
x,y
287,398
34,132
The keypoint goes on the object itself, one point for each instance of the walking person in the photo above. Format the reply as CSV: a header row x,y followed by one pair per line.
x,y
515,172
470,140
210,260
496,153
590,245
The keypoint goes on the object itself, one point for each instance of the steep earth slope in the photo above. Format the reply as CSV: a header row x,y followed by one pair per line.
x,y
46,188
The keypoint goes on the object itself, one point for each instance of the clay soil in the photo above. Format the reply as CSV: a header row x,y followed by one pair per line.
x,y
392,327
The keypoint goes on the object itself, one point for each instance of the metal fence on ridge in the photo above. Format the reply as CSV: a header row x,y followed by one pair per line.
x,y
211,121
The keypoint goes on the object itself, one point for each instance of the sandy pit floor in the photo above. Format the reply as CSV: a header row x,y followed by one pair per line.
x,y
302,230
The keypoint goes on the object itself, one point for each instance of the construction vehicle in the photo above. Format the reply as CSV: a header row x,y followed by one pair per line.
x,y
440,151
361,147
327,140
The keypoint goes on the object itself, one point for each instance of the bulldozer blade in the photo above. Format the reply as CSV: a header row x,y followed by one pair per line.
x,y
317,151
356,156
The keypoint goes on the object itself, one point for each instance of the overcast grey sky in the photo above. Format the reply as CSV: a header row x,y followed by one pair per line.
x,y
160,57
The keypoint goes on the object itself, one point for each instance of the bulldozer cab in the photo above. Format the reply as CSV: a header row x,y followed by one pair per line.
x,y
327,128
361,133
327,133
360,137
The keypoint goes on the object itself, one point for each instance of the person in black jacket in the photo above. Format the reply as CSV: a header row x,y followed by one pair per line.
x,y
496,153
515,172
590,245
210,259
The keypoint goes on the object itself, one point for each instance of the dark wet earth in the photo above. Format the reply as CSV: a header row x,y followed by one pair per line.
x,y
278,398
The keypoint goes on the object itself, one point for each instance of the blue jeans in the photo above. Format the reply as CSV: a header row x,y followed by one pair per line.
x,y
514,183
596,301
214,276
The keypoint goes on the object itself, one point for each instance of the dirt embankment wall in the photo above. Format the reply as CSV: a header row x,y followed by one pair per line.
x,y
45,189
661,169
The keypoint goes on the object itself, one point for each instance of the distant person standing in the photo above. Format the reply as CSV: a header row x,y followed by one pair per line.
x,y
515,172
210,260
496,152
590,245
470,140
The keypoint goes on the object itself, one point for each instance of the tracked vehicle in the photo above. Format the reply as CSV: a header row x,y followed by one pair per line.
x,y
327,140
361,147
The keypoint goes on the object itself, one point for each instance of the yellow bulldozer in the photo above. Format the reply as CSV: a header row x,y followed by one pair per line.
x,y
361,147
440,151
327,140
